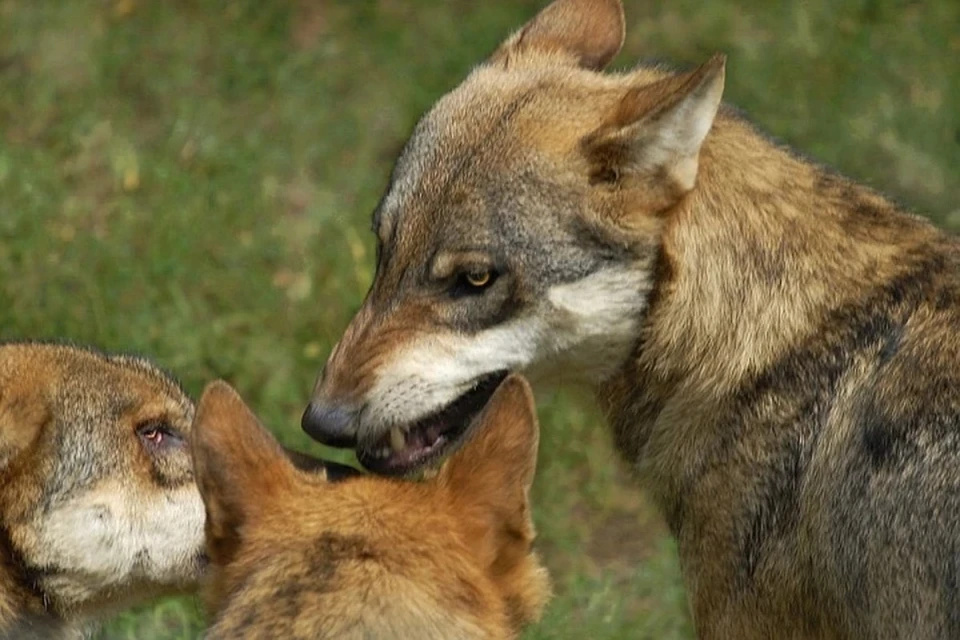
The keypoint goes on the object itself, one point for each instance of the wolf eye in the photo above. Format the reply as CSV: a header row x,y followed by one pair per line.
x,y
158,435
473,281
478,279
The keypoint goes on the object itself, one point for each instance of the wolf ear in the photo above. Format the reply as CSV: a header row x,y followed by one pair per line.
x,y
23,414
655,134
240,468
495,468
590,31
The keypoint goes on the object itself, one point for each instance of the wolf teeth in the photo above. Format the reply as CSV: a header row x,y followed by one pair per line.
x,y
397,439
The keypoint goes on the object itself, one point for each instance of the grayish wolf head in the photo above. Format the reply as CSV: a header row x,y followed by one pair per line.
x,y
98,504
503,243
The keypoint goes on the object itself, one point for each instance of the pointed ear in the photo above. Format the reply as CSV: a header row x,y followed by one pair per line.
x,y
494,470
656,132
24,411
240,468
589,31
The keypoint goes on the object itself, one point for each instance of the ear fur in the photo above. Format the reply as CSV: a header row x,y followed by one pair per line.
x,y
495,469
23,414
590,32
657,130
240,468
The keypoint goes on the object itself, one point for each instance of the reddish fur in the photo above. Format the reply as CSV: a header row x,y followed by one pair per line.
x,y
453,550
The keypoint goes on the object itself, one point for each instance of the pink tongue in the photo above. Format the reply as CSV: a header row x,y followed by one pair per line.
x,y
418,441
432,434
415,440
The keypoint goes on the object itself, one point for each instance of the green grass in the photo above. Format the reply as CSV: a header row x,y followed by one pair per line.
x,y
193,180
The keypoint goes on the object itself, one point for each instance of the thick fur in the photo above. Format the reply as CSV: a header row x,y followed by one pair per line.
x,y
777,348
93,517
297,555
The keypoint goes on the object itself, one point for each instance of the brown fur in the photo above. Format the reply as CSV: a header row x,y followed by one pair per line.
x,y
776,346
295,555
78,486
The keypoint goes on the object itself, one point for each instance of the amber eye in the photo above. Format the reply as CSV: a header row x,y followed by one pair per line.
x,y
478,278
472,282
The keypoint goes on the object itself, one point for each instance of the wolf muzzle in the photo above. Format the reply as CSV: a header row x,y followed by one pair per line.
x,y
330,424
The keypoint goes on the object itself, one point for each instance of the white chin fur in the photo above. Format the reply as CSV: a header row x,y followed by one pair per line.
x,y
111,537
584,329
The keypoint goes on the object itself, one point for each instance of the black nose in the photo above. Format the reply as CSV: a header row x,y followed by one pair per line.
x,y
330,424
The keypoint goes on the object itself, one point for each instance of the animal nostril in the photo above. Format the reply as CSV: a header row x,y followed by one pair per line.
x,y
331,425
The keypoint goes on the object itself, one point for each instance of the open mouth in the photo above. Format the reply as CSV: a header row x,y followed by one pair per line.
x,y
403,450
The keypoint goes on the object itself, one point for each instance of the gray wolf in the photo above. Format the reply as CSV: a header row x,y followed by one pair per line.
x,y
297,553
98,505
776,347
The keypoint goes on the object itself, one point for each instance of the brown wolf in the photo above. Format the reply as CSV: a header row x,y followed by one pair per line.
x,y
98,506
776,347
296,555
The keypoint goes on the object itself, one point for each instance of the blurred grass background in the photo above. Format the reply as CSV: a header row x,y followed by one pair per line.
x,y
192,179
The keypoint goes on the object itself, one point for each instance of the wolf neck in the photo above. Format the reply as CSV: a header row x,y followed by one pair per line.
x,y
762,247
752,261
23,610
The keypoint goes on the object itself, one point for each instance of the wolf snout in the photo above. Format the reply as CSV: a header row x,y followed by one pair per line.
x,y
330,424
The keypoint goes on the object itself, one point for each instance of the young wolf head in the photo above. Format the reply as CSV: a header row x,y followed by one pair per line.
x,y
519,233
296,555
98,506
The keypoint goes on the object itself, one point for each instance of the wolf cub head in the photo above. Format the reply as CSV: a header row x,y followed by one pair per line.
x,y
98,504
519,232
300,553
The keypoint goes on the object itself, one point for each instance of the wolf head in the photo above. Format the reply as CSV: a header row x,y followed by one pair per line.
x,y
98,504
296,553
520,232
